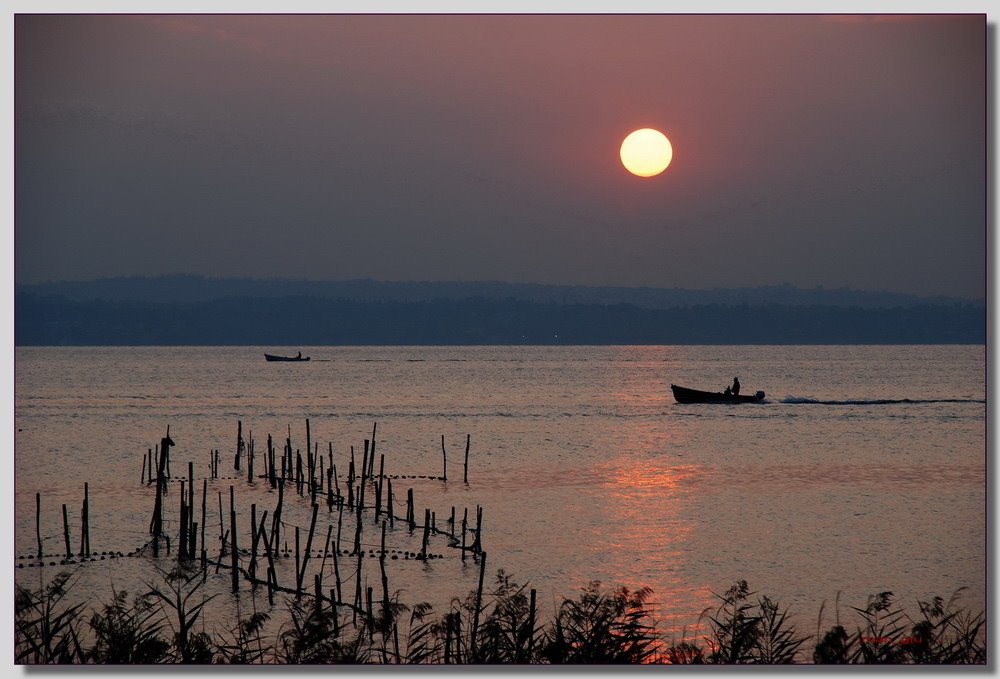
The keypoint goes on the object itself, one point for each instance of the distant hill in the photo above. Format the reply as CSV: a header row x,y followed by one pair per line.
x,y
190,289
299,320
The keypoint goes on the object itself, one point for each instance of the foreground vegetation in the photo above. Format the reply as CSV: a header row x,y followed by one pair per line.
x,y
600,626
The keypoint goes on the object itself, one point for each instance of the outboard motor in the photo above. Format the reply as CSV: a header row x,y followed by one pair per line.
x,y
760,395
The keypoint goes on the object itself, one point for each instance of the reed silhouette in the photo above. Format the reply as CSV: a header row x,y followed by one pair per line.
x,y
600,626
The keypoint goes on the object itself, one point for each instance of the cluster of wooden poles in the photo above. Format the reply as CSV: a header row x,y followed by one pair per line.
x,y
84,527
314,477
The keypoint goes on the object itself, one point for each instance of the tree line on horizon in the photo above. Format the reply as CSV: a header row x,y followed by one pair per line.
x,y
198,288
54,320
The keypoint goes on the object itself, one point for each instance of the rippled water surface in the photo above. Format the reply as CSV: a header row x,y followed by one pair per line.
x,y
864,471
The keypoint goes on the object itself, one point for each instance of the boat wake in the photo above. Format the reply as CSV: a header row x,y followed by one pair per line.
x,y
875,401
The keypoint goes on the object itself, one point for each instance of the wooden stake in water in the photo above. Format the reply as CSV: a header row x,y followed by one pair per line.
x,y
378,487
427,530
190,508
358,601
340,522
258,534
361,490
531,624
357,531
276,526
270,463
272,580
410,518
477,545
309,541
468,441
326,547
336,573
444,456
69,550
85,522
298,570
390,509
298,471
239,444
182,527
161,483
232,531
479,603
465,519
386,614
318,590
204,498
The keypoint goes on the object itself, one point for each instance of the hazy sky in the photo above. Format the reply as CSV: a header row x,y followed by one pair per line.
x,y
809,150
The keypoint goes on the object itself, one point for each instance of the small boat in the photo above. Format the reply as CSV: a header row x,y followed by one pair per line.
x,y
685,395
271,357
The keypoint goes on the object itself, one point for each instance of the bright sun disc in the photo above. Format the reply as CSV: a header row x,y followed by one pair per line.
x,y
646,152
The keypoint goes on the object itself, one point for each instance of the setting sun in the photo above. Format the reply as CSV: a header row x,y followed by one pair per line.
x,y
646,152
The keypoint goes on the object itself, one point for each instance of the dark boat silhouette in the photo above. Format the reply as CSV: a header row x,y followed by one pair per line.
x,y
296,359
685,395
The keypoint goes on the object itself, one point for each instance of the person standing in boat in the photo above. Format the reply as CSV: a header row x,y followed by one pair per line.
x,y
736,386
300,355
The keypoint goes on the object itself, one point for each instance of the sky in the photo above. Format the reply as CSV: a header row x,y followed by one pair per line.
x,y
810,150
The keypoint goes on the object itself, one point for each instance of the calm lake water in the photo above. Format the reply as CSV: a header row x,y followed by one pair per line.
x,y
863,472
